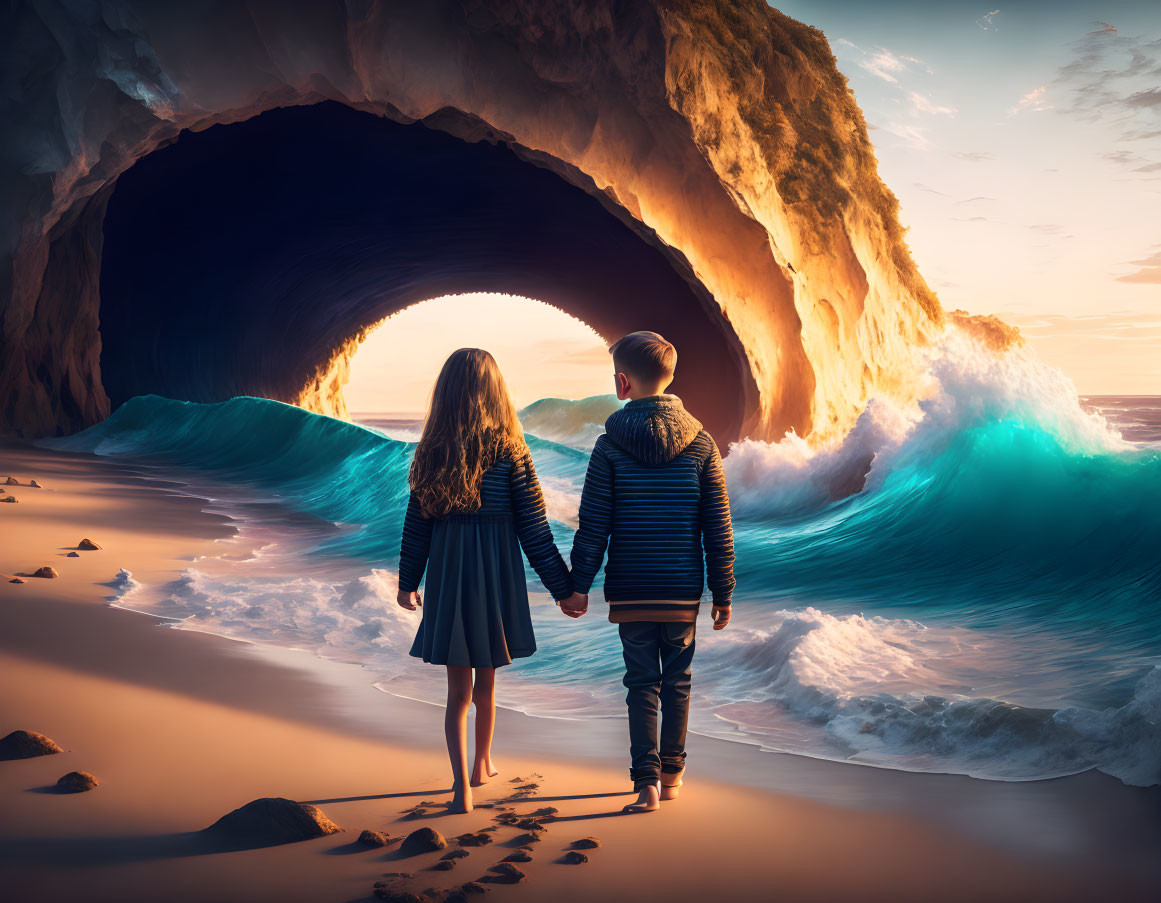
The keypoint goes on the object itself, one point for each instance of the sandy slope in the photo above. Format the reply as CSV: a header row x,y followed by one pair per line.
x,y
182,727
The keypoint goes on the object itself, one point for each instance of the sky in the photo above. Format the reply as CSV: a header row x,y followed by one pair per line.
x,y
396,365
1024,143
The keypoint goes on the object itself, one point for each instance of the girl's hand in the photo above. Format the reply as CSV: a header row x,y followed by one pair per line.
x,y
409,600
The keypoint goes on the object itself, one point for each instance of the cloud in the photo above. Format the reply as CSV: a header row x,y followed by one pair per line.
x,y
883,63
973,156
1144,99
987,20
1150,272
929,189
911,136
1113,78
1148,167
1033,101
921,104
1148,276
976,199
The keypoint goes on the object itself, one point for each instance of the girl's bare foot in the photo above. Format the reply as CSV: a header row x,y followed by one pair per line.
x,y
670,786
461,800
648,800
483,771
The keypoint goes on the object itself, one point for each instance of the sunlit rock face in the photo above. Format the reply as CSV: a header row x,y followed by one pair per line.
x,y
719,134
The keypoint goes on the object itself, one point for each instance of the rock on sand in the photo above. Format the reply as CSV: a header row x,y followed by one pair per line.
x,y
45,572
273,820
425,840
374,839
26,744
77,782
87,545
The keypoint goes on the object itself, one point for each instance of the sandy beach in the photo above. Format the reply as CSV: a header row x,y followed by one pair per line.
x,y
183,727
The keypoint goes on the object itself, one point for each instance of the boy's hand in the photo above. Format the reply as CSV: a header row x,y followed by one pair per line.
x,y
721,615
409,600
575,605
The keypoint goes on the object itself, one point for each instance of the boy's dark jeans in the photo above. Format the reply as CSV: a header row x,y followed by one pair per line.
x,y
657,661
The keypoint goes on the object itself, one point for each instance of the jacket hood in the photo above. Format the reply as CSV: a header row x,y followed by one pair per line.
x,y
653,430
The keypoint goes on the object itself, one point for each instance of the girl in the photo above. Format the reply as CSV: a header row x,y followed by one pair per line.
x,y
474,501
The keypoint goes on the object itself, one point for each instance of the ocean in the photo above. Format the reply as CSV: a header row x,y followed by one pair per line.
x,y
970,584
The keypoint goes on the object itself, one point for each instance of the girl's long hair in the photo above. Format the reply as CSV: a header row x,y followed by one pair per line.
x,y
470,425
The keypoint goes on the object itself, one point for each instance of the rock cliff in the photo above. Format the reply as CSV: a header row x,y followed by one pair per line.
x,y
719,131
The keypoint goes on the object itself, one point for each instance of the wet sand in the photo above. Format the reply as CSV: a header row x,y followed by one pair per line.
x,y
182,727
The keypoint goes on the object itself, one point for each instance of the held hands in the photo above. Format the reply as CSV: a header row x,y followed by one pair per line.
x,y
575,605
721,617
409,600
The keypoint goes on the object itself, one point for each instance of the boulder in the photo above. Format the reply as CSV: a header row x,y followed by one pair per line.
x,y
585,843
26,744
45,572
474,839
473,887
572,857
12,481
524,839
443,865
273,820
87,545
546,812
518,856
529,824
425,840
77,782
374,839
34,484
455,854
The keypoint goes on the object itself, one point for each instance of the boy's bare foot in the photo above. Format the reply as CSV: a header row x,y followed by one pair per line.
x,y
648,800
461,800
483,771
670,786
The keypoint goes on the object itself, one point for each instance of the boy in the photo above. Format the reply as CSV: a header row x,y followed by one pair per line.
x,y
654,494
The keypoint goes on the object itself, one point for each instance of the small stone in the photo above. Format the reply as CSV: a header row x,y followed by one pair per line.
x,y
443,865
473,887
585,843
528,788
524,839
485,805
546,812
474,839
77,782
46,572
456,854
73,555
516,781
529,824
9,498
394,894
416,813
507,818
34,484
507,872
87,545
572,857
273,820
373,839
425,840
16,580
26,744
12,481
428,804
518,856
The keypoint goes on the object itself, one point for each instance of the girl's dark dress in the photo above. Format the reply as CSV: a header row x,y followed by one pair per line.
x,y
475,608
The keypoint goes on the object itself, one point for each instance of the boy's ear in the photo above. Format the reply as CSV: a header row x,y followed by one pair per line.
x,y
624,387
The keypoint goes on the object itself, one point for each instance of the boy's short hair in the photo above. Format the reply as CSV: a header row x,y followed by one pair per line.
x,y
646,355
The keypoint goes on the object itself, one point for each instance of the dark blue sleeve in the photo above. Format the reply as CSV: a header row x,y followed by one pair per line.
x,y
595,520
717,531
533,530
414,547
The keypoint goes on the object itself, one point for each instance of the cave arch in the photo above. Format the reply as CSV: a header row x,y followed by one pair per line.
x,y
251,258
